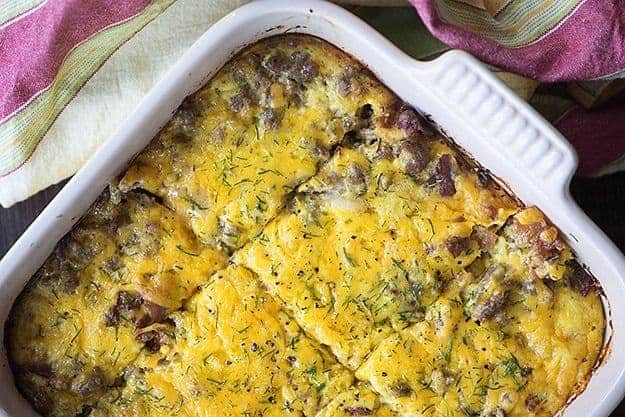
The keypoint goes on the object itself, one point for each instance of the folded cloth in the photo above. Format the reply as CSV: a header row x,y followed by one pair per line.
x,y
544,51
580,42
72,70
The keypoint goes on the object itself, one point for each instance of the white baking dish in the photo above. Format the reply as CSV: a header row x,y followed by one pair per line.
x,y
482,115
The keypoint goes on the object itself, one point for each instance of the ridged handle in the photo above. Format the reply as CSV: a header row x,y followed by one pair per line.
x,y
501,119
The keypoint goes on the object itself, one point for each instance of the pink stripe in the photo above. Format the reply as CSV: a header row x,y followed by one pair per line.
x,y
33,48
588,44
598,135
23,14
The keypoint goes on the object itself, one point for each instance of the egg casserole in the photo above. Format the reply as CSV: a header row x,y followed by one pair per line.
x,y
298,241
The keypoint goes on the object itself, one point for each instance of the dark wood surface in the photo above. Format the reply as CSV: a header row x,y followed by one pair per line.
x,y
603,199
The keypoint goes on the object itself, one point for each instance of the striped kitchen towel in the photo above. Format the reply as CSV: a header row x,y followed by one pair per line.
x,y
72,70
565,57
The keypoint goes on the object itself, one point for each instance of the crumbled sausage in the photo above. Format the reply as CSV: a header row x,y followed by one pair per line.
x,y
303,68
143,242
347,82
299,67
270,118
443,177
356,180
414,154
408,120
490,306
412,123
541,236
457,245
484,237
64,278
344,84
191,107
90,384
277,63
127,301
488,296
39,398
579,279
112,264
185,117
77,254
239,101
532,402
402,389
155,314
43,369
358,411
153,339
483,177
134,307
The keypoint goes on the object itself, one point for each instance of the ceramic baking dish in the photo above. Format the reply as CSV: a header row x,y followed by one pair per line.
x,y
493,125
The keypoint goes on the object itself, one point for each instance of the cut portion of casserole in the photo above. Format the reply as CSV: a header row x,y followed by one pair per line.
x,y
357,400
93,306
391,244
298,241
236,148
233,353
502,340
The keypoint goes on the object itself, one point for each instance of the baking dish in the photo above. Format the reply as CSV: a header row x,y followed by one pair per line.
x,y
482,116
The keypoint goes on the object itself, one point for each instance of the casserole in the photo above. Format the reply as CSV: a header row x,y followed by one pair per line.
x,y
527,143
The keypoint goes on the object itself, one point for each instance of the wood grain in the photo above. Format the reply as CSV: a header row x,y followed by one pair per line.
x,y
14,220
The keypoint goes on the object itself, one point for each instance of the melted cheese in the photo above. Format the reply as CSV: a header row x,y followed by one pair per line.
x,y
298,241
59,325
234,353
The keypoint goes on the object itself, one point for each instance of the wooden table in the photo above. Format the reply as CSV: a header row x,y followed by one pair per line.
x,y
603,199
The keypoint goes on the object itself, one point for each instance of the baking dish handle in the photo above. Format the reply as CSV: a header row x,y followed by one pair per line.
x,y
509,126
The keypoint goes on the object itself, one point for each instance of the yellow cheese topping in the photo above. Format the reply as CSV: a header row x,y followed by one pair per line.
x,y
298,241
82,319
235,348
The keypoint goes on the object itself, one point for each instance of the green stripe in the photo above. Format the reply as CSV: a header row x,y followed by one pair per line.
x,y
20,134
404,28
614,76
616,166
10,9
500,28
504,21
506,18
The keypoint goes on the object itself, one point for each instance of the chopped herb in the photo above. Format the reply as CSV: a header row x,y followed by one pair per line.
x,y
349,260
181,249
244,180
76,335
194,203
272,171
262,204
312,370
432,227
